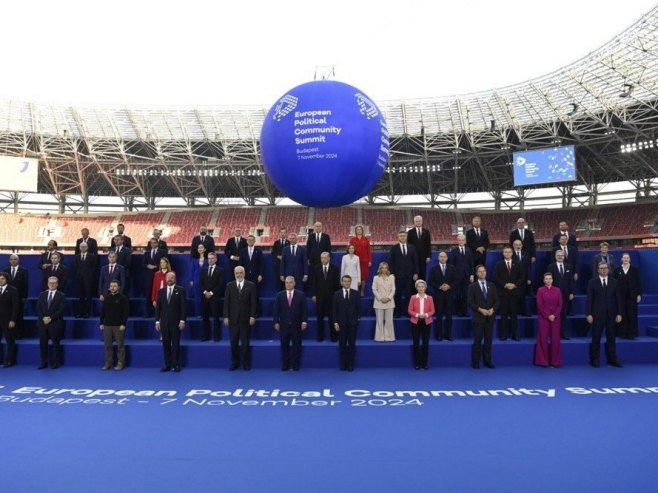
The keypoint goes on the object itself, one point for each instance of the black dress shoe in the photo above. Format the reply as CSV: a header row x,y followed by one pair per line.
x,y
285,368
216,339
350,368
204,339
516,338
177,369
450,338
42,366
439,338
295,368
232,367
165,368
595,364
342,368
616,363
417,367
246,367
565,338
8,364
426,367
54,366
490,365
475,366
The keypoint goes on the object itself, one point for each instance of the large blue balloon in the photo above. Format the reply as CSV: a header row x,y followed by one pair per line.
x,y
324,144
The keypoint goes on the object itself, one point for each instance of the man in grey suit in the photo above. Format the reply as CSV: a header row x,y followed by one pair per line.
x,y
483,300
240,308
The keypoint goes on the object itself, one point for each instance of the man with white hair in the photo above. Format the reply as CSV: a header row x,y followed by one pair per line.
x,y
421,239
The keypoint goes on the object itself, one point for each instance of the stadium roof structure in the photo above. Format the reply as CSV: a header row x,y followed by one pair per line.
x,y
440,147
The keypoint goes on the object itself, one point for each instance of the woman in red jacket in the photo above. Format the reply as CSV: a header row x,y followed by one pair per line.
x,y
160,278
363,251
421,311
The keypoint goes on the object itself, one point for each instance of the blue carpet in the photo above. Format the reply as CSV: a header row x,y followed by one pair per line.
x,y
449,442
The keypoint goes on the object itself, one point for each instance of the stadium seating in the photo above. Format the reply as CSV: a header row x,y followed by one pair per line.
x,y
337,223
183,225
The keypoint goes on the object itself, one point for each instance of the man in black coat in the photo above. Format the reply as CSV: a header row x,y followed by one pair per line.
x,y
50,323
85,273
162,244
442,279
277,253
124,259
483,301
290,315
604,308
325,283
240,311
631,291
316,243
508,279
170,321
211,282
403,262
477,239
563,279
232,249
92,244
347,312
18,278
524,260
45,262
9,306
526,237
126,241
421,239
461,257
57,269
202,237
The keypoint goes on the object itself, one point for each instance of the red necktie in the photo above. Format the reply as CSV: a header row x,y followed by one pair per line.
x,y
289,298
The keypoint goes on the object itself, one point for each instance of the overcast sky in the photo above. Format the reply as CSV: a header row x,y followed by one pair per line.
x,y
185,52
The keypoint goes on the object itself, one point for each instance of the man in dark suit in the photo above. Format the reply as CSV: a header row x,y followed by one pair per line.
x,y
110,272
126,241
290,320
605,257
202,237
92,244
124,259
316,243
630,287
524,260
403,262
442,278
563,279
461,257
572,241
85,274
57,269
162,244
212,280
326,280
18,278
604,308
152,256
508,278
9,306
294,262
50,323
277,253
240,309
570,254
477,239
347,312
421,239
170,321
251,258
45,262
232,249
483,300
527,238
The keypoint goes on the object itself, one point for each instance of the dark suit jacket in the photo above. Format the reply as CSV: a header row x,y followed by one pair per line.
x,y
252,267
155,260
92,245
423,246
162,245
127,242
603,304
124,258
85,272
463,263
572,259
437,279
297,265
9,306
20,281
61,274
232,249
612,264
105,278
290,316
476,299
170,313
403,267
571,240
240,306
324,289
208,242
55,311
502,277
525,263
346,312
629,284
314,248
212,284
528,241
45,257
564,282
473,242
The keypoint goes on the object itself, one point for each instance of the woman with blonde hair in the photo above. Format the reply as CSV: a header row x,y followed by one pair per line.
x,y
364,252
383,287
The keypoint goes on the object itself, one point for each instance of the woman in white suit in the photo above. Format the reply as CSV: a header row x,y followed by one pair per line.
x,y
383,287
351,266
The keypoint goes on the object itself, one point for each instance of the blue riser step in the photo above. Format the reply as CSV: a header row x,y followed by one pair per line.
x,y
266,354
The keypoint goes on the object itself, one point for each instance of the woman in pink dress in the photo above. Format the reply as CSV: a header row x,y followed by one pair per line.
x,y
364,252
548,351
